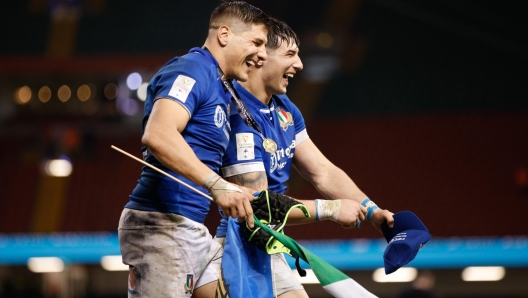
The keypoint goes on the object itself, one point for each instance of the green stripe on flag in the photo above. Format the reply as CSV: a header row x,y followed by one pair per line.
x,y
325,273
333,281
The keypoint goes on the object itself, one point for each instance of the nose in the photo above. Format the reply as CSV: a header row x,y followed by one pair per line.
x,y
298,65
261,54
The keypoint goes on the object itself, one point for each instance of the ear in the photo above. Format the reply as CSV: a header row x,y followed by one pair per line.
x,y
223,35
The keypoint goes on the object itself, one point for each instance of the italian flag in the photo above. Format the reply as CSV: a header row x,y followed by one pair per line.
x,y
283,117
333,281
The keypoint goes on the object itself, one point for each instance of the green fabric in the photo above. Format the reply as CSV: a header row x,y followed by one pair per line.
x,y
325,273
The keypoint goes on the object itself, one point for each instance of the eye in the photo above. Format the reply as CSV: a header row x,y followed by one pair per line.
x,y
258,43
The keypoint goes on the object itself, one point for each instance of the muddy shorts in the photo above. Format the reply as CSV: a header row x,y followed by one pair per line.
x,y
168,254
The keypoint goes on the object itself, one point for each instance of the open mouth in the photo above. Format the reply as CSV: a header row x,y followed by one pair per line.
x,y
287,75
250,63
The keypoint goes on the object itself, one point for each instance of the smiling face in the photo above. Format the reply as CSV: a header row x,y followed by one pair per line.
x,y
245,48
282,63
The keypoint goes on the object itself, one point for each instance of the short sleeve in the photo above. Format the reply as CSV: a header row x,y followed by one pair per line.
x,y
182,81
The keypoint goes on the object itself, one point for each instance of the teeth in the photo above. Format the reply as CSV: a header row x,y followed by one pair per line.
x,y
290,75
250,63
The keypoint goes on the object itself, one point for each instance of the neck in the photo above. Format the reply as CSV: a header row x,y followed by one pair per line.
x,y
256,87
218,54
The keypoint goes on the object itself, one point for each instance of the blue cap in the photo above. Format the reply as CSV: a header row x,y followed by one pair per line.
x,y
405,239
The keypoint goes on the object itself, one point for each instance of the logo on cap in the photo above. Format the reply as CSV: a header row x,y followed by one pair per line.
x,y
407,236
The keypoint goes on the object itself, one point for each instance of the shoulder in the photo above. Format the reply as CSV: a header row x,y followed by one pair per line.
x,y
191,64
284,101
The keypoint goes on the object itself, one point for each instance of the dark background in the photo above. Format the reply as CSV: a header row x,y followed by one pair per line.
x,y
423,103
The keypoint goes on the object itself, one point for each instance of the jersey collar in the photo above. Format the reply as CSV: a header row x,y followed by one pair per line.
x,y
250,100
206,53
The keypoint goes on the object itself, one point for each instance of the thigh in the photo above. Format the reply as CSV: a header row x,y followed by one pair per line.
x,y
285,283
167,253
208,281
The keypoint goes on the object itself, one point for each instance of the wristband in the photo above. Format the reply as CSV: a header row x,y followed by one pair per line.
x,y
371,206
218,186
327,209
370,211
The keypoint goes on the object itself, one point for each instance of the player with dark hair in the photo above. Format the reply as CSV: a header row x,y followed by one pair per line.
x,y
185,133
252,162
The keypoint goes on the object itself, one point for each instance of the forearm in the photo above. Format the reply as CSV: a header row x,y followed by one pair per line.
x,y
347,213
337,185
297,217
334,184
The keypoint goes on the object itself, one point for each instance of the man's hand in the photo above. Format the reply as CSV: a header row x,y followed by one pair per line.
x,y
349,214
232,200
379,216
249,191
237,204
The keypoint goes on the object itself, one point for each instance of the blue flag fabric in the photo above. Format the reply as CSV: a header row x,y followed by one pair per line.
x,y
246,270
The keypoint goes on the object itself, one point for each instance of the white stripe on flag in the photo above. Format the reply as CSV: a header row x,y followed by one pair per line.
x,y
347,288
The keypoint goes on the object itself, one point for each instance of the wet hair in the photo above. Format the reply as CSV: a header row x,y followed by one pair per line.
x,y
237,10
279,32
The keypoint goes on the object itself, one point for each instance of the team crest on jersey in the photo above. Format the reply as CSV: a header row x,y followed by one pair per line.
x,y
220,116
189,285
285,118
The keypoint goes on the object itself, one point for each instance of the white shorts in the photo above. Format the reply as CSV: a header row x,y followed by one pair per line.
x,y
283,278
168,254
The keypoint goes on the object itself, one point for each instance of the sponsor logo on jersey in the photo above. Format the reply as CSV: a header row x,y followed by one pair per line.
x,y
245,145
285,118
279,159
189,285
181,88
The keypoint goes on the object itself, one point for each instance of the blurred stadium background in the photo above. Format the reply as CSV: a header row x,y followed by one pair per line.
x,y
423,103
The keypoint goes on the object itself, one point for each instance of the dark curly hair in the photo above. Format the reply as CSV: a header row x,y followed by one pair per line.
x,y
279,32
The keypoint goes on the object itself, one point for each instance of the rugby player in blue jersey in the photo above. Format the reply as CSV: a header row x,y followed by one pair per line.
x,y
186,132
251,163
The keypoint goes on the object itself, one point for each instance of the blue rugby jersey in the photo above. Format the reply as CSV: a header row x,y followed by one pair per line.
x,y
193,81
281,121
